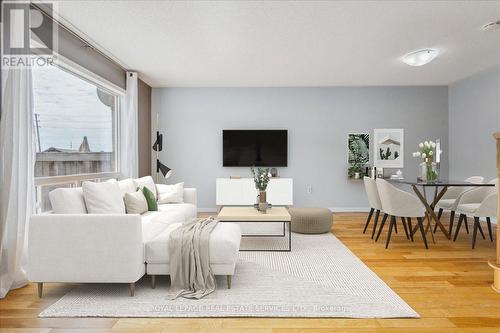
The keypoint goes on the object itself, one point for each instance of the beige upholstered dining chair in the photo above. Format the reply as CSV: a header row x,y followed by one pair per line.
x,y
374,201
450,200
398,203
479,203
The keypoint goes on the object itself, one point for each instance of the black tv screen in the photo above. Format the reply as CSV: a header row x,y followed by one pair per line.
x,y
266,148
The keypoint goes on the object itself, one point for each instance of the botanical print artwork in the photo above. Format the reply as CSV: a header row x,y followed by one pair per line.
x,y
388,148
358,146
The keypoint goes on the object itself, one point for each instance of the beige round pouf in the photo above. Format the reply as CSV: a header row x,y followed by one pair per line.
x,y
311,220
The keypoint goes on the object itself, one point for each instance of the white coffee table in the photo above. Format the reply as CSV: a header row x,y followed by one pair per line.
x,y
250,214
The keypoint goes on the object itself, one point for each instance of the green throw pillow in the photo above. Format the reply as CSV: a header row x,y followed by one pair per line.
x,y
150,198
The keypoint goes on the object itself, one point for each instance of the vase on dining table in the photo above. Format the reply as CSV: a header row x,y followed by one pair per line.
x,y
428,170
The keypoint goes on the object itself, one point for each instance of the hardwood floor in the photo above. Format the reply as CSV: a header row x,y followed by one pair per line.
x,y
448,285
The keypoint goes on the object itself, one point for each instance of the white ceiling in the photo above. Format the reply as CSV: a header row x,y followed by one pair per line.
x,y
284,43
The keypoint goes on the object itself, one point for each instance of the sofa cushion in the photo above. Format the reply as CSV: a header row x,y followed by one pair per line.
x,y
148,182
103,198
150,199
67,201
170,193
189,211
224,244
135,203
127,186
153,223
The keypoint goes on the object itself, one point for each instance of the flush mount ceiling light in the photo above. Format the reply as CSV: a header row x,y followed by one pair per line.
x,y
420,57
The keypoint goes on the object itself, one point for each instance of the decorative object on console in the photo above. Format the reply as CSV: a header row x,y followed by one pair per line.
x,y
261,179
398,175
388,148
274,172
358,146
428,168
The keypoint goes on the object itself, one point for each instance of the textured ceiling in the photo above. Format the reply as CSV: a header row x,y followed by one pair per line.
x,y
283,43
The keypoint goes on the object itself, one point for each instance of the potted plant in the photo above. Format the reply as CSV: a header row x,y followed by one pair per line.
x,y
355,170
261,179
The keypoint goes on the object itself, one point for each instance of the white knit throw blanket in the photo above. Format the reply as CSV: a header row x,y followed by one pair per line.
x,y
190,273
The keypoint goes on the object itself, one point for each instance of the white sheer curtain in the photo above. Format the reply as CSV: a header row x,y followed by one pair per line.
x,y
129,154
17,158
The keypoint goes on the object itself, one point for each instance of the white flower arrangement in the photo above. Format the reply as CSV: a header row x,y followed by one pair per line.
x,y
427,150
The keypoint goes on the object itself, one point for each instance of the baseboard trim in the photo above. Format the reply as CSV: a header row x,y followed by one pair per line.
x,y
333,209
207,210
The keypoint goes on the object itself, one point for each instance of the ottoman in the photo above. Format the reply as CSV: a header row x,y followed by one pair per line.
x,y
224,246
311,220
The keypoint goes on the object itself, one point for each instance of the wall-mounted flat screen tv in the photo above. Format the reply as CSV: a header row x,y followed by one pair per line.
x,y
265,148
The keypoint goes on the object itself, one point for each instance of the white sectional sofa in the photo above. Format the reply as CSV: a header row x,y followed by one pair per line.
x,y
78,247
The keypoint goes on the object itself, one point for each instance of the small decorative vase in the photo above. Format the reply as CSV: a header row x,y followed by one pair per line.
x,y
357,175
262,197
428,171
263,207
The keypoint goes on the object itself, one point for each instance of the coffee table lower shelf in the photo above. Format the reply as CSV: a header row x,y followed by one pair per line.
x,y
288,249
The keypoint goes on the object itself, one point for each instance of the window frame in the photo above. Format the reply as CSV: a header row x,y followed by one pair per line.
x,y
76,180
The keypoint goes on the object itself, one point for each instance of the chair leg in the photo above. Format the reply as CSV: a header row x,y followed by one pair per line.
x,y
153,281
391,225
377,214
474,233
368,219
452,219
466,223
228,278
481,230
131,289
404,226
488,221
381,227
459,224
40,289
440,212
422,231
395,226
410,228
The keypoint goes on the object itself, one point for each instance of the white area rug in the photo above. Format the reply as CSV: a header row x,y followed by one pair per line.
x,y
319,278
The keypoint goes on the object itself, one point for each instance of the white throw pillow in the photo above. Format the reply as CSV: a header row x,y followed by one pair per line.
x,y
148,182
103,198
135,202
127,186
170,193
67,201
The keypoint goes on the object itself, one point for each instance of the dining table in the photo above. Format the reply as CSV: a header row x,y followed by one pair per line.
x,y
440,187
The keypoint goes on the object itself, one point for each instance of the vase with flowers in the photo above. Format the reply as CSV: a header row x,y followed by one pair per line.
x,y
261,179
428,168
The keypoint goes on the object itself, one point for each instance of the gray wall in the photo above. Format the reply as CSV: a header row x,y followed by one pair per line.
x,y
318,121
474,115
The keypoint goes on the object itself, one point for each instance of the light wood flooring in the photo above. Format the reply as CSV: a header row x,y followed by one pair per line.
x,y
448,285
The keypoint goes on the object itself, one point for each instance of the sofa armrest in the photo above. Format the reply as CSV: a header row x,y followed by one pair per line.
x,y
190,196
85,248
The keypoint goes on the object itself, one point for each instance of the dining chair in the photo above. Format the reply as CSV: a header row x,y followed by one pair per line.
x,y
479,203
450,200
374,201
398,203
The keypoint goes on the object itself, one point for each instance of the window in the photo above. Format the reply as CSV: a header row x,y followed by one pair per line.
x,y
75,123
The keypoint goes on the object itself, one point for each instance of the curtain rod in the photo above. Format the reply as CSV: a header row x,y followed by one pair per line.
x,y
39,6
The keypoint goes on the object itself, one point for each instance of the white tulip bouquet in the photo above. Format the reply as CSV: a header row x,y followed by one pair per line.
x,y
427,152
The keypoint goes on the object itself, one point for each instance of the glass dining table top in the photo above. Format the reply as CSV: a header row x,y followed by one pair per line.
x,y
441,182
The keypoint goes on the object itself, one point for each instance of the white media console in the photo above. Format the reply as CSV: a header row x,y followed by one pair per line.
x,y
242,192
